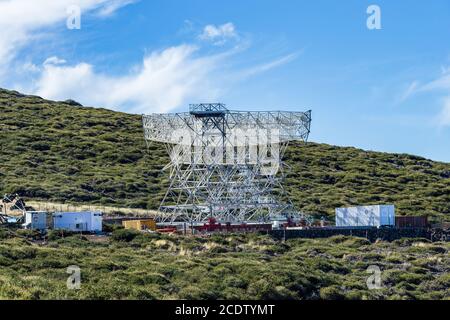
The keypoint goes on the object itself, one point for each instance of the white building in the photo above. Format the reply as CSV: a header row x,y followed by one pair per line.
x,y
36,220
366,216
89,221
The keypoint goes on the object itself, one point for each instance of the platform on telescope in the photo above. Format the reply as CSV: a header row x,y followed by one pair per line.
x,y
208,114
204,110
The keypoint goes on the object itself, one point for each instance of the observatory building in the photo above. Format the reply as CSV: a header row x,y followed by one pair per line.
x,y
225,164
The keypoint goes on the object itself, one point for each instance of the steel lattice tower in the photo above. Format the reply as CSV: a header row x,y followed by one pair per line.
x,y
225,164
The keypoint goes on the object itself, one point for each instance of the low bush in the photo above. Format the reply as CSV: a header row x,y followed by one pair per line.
x,y
124,235
58,234
135,265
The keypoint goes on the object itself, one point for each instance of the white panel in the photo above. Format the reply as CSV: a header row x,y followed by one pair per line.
x,y
364,216
36,220
78,221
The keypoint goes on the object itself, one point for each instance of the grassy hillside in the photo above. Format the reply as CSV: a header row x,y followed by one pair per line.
x,y
151,266
59,151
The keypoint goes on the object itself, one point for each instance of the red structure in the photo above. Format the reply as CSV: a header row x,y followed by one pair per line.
x,y
167,230
213,226
411,222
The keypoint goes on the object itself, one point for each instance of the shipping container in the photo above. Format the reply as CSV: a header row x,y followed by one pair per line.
x,y
89,221
411,222
366,216
142,224
35,220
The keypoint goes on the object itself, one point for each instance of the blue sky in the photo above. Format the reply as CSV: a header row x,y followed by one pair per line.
x,y
384,90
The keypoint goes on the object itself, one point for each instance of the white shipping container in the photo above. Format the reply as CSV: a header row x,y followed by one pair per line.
x,y
35,220
366,216
90,221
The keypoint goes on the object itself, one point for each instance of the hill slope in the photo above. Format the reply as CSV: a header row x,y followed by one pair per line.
x,y
63,152
131,265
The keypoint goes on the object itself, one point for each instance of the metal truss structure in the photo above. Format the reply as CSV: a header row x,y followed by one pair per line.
x,y
226,164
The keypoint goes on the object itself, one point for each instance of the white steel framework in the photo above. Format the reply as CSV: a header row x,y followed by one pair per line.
x,y
226,164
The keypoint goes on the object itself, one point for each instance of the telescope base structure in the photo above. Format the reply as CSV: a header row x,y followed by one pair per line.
x,y
227,193
226,165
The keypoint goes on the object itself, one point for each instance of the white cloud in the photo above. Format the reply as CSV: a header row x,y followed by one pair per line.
x,y
439,85
445,69
54,60
409,91
270,65
444,116
29,67
21,20
112,6
164,81
219,34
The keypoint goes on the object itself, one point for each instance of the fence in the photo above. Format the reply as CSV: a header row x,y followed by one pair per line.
x,y
111,211
370,233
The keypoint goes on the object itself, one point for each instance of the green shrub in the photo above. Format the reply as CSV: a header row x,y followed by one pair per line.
x,y
29,234
152,266
108,227
5,234
59,234
125,235
332,293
